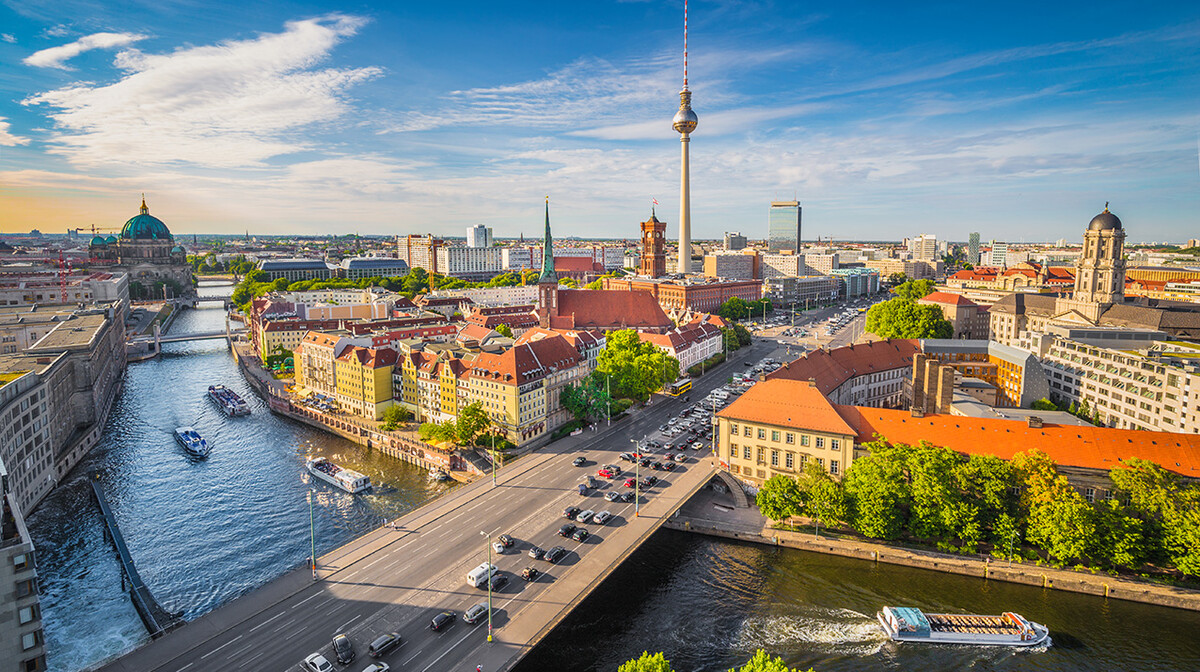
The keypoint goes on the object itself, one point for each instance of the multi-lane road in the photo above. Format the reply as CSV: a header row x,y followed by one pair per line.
x,y
395,580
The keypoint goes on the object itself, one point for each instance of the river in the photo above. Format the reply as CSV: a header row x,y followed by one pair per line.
x,y
205,532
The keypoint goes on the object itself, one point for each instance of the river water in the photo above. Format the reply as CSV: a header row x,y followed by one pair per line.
x,y
204,532
201,532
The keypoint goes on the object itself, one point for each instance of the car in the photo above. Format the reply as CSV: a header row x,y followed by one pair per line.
x,y
602,518
628,457
530,573
498,547
662,428
613,468
669,466
384,643
555,554
580,535
649,481
590,481
627,497
442,620
536,553
657,466
566,530
612,496
343,649
377,667
669,456
318,663
629,482
606,473
585,516
475,613
498,581
505,539
682,457
583,489
570,512
645,461
579,461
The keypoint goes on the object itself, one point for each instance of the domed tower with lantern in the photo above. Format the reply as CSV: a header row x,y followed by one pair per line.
x,y
147,252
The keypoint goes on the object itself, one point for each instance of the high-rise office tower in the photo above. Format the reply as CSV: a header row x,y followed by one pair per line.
x,y
973,248
479,236
734,240
783,226
684,122
924,247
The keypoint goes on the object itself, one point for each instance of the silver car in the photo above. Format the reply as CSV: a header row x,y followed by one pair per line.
x,y
475,613
602,518
585,516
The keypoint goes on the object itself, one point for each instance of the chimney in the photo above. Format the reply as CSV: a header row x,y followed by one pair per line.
x,y
945,391
918,380
930,385
1034,422
917,411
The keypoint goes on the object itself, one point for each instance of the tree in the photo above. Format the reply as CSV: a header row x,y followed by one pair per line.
x,y
1060,520
762,662
823,497
914,289
936,501
432,431
878,491
394,415
779,498
1182,533
897,278
734,308
1044,404
504,330
568,282
472,420
634,368
647,663
1119,538
904,318
987,484
595,284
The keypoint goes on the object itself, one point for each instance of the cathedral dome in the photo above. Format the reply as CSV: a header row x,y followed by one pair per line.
x,y
98,241
111,240
145,226
1105,221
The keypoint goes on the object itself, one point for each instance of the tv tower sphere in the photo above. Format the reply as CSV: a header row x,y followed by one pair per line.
x,y
685,119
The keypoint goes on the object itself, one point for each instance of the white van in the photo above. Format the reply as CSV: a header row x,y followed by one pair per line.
x,y
480,575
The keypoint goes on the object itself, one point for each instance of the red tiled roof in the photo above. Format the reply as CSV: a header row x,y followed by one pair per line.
x,y
526,362
1068,445
787,403
832,368
610,309
474,332
949,299
576,264
371,358
978,273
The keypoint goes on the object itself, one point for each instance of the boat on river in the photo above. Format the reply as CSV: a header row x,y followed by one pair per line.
x,y
229,401
347,479
191,441
909,624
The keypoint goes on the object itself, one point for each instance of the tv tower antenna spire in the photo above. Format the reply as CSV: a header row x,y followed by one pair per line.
x,y
684,123
685,43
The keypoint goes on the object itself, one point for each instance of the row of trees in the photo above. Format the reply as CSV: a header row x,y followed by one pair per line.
x,y
903,317
207,264
466,429
736,308
657,662
627,368
935,495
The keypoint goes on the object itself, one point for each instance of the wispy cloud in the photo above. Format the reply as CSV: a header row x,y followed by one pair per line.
x,y
57,57
11,39
7,139
237,103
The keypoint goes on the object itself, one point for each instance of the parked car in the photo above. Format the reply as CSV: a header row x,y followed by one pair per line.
x,y
581,534
606,473
343,649
498,581
383,644
585,516
629,482
318,663
536,553
442,621
555,554
498,547
602,518
583,489
505,539
566,530
530,573
475,613
377,667
681,457
612,496
570,512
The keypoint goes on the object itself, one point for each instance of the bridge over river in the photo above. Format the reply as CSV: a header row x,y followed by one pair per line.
x,y
395,580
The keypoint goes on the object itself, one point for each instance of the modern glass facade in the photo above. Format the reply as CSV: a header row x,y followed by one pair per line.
x,y
783,226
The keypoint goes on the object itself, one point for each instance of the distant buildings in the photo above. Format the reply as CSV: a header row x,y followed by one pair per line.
x,y
297,270
969,319
361,268
924,247
479,236
730,265
973,248
690,295
419,251
783,226
803,290
470,263
734,241
998,255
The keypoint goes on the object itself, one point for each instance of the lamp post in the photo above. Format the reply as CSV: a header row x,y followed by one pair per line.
x,y
312,536
637,480
493,457
488,536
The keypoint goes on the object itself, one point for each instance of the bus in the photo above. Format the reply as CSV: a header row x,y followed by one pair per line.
x,y
679,387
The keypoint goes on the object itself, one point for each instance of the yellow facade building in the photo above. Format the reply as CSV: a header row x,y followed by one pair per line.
x,y
364,380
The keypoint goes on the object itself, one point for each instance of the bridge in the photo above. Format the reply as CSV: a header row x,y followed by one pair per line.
x,y
395,580
180,338
158,620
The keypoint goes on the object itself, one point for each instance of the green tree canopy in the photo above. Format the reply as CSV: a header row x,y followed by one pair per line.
x,y
504,330
904,318
394,415
647,663
823,497
878,491
471,422
779,498
634,368
914,289
762,662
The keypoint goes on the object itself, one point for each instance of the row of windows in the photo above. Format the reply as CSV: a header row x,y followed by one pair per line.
x,y
789,458
788,437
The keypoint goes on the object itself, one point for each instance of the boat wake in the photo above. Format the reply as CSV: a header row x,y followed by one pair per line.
x,y
849,631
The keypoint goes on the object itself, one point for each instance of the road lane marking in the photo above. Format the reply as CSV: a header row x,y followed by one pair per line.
x,y
221,647
452,647
343,628
267,621
306,600
413,658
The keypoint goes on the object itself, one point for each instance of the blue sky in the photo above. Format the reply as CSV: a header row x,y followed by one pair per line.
x,y
1015,120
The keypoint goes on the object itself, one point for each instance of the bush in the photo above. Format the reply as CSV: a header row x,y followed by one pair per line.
x,y
565,430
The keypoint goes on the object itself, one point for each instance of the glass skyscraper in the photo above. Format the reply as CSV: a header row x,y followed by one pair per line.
x,y
783,226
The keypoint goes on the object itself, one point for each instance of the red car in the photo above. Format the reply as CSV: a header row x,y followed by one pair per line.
x,y
629,482
605,473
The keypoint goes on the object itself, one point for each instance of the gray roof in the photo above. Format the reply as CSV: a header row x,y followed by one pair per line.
x,y
367,263
293,265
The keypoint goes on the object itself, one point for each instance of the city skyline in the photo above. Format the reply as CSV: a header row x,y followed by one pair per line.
x,y
302,118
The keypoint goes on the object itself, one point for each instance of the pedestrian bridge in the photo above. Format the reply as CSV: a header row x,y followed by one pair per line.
x,y
180,338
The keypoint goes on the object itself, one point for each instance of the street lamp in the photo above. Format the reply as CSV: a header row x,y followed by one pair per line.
x,y
488,536
493,456
637,479
312,536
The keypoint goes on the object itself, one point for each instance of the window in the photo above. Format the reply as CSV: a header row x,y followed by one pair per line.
x,y
775,436
733,429
746,453
789,438
34,664
804,439
833,467
1090,494
820,442
774,458
26,588
803,459
821,462
834,444
31,639
762,433
789,460
735,469
21,561
746,432
733,451
762,455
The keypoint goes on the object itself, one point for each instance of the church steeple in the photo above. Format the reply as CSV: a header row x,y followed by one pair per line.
x,y
547,275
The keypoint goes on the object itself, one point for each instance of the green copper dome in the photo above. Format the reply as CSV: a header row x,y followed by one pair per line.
x,y
98,240
111,240
145,226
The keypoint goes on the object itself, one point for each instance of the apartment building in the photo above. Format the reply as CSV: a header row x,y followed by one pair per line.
x,y
361,268
297,270
689,343
730,265
969,319
22,642
470,263
867,374
520,388
780,426
363,379
803,290
855,282
783,266
419,251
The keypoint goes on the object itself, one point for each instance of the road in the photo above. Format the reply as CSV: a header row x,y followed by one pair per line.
x,y
396,580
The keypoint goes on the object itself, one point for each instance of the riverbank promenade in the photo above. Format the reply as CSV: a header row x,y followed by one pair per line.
x,y
395,580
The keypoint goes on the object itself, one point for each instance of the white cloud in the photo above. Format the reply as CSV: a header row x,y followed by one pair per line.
x,y
56,57
11,39
237,103
7,139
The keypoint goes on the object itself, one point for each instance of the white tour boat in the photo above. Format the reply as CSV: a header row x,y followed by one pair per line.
x,y
229,401
347,479
191,441
908,624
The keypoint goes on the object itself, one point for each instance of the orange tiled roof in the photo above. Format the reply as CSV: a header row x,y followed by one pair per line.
x,y
371,358
978,273
949,299
1068,445
526,362
832,368
787,403
610,309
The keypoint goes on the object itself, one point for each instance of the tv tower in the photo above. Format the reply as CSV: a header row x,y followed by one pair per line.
x,y
685,122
